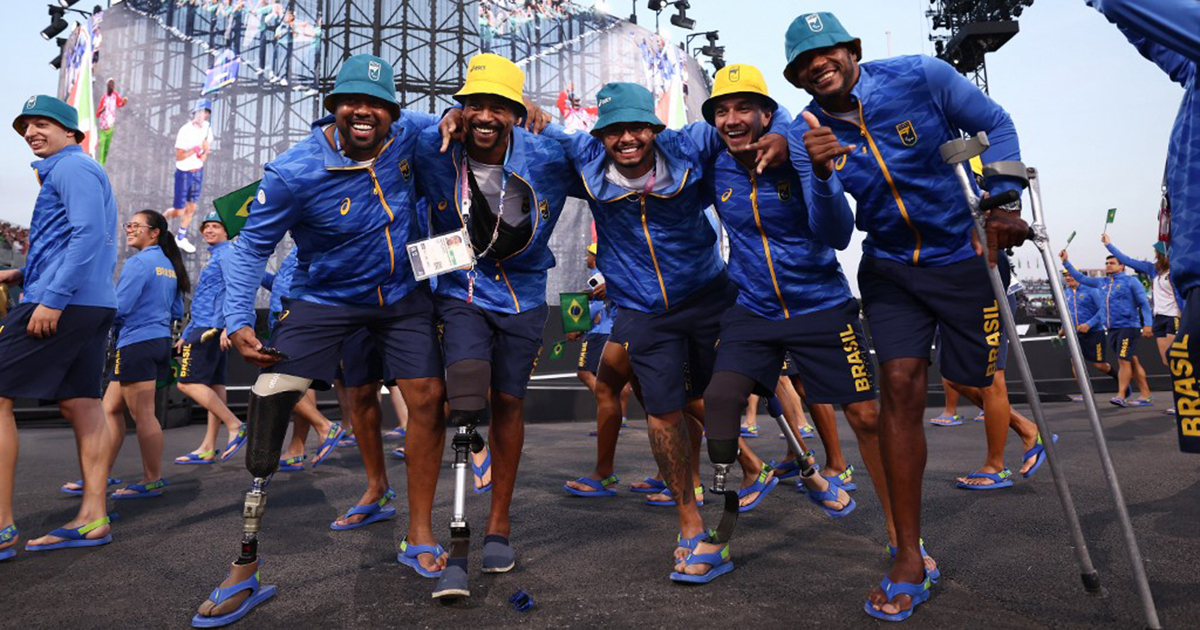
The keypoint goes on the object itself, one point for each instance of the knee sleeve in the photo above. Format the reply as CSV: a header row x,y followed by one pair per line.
x,y
467,383
724,400
271,402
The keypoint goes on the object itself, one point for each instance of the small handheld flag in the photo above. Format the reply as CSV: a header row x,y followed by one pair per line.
x,y
557,351
1112,216
1069,239
575,314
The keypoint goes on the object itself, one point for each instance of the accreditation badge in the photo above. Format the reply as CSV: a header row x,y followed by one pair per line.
x,y
441,254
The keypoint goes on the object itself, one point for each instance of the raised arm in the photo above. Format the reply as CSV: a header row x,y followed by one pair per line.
x,y
1167,25
1141,266
829,214
1086,281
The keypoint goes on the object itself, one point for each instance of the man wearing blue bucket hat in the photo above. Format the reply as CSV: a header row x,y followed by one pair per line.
x,y
52,345
347,196
192,145
644,184
873,131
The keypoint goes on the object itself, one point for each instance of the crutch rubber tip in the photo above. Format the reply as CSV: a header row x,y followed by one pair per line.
x,y
1091,582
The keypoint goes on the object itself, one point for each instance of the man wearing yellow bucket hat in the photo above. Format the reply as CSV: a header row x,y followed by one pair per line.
x,y
503,189
793,299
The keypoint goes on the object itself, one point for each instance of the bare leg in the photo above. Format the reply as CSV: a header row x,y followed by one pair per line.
x,y
506,438
366,418
113,406
611,381
212,398
8,464
399,405
92,444
139,397
751,420
1139,375
427,436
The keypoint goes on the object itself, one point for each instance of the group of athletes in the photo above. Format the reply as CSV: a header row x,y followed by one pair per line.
x,y
374,186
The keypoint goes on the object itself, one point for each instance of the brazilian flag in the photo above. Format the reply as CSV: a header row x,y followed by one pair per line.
x,y
1112,216
575,314
234,207
557,351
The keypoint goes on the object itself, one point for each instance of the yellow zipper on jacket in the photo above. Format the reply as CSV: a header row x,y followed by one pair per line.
x,y
766,246
887,175
387,234
516,302
653,258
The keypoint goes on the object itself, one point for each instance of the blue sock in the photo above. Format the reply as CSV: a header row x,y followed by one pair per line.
x,y
495,538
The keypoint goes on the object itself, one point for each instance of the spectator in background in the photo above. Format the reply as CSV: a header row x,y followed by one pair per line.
x,y
192,145
106,118
574,116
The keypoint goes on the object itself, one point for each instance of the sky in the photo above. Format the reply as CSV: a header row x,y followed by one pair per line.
x,y
1093,116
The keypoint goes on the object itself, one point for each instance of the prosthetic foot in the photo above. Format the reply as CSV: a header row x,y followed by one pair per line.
x,y
453,583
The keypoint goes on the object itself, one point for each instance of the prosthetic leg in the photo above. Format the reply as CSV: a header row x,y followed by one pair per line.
x,y
453,583
267,424
957,153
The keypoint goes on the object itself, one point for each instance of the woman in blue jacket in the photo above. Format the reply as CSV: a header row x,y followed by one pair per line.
x,y
149,297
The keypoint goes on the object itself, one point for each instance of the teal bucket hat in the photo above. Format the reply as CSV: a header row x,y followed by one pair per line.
x,y
809,32
52,108
1160,247
213,217
369,75
625,103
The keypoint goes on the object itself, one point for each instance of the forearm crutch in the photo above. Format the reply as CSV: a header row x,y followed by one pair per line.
x,y
957,153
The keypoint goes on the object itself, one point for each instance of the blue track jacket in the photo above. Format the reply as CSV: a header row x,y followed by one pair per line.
x,y
72,235
1144,267
280,282
1085,307
780,268
606,311
1124,299
148,298
516,283
209,296
1167,32
350,222
909,201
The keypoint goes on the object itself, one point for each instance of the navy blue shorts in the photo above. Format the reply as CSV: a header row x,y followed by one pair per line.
x,y
672,353
1091,343
1123,342
591,351
202,362
1165,325
905,305
312,336
789,366
148,360
361,363
187,186
68,364
511,343
828,348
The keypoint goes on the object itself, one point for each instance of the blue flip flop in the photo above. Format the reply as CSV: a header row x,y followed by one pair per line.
x,y
349,440
819,498
480,471
7,534
1141,402
653,486
236,445
719,562
396,433
919,592
258,595
292,464
763,486
142,490
979,417
946,420
934,575
75,537
838,480
331,439
398,453
785,470
999,480
197,459
78,492
599,487
408,557
807,432
690,543
671,502
749,432
1039,451
375,512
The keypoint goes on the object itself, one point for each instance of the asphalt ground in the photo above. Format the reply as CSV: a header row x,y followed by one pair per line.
x,y
1005,555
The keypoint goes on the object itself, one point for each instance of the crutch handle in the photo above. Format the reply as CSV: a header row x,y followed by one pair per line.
x,y
995,201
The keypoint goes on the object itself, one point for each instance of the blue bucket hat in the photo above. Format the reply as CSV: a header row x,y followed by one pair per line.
x,y
625,103
52,108
809,32
202,103
368,75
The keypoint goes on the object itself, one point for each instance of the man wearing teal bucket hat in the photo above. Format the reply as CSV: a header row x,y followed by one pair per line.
x,y
644,184
873,131
52,345
347,196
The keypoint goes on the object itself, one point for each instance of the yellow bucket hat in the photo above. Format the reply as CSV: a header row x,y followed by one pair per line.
x,y
739,78
497,76
592,249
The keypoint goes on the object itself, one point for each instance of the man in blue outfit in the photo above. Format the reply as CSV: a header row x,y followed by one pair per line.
x,y
52,345
1085,306
1167,32
1126,318
644,184
505,187
346,195
873,131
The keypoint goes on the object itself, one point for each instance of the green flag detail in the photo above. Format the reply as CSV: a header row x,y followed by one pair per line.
x,y
234,207
1070,238
1112,215
557,351
576,317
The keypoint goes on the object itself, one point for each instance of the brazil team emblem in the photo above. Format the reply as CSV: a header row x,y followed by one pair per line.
x,y
373,69
31,102
735,74
908,135
405,170
784,190
814,23
544,209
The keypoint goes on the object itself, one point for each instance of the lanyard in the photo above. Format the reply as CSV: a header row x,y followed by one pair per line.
x,y
464,183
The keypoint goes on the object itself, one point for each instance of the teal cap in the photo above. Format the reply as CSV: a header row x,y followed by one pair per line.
x,y
213,217
52,108
625,103
369,75
809,32
1160,247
